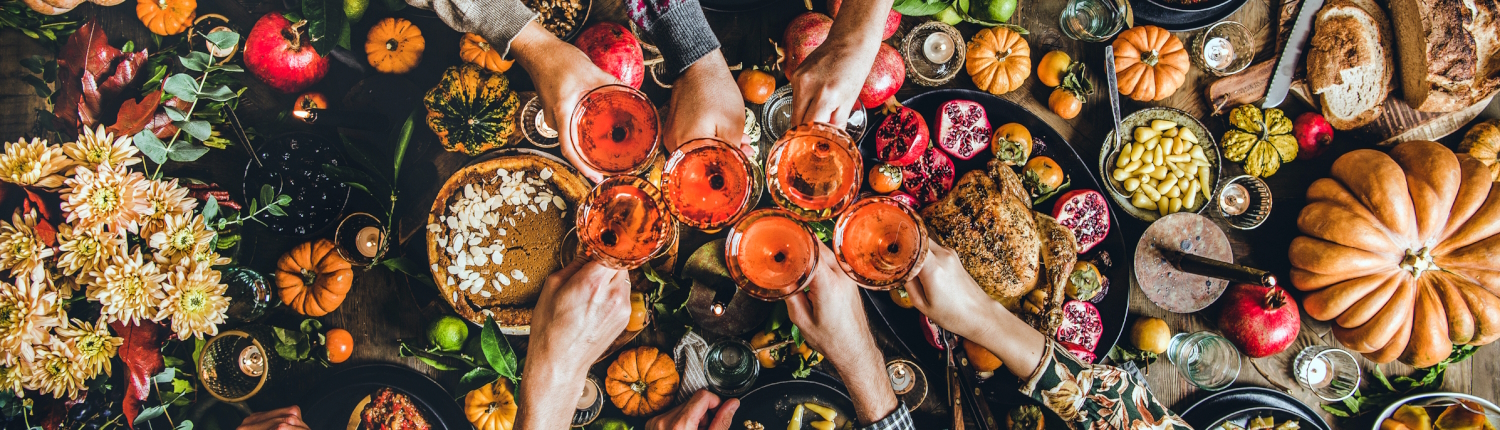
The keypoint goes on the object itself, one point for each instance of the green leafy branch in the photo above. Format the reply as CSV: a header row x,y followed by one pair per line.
x,y
1389,390
299,344
223,222
960,8
496,359
50,30
370,177
193,91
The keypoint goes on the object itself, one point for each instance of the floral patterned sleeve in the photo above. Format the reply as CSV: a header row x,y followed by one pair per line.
x,y
1093,396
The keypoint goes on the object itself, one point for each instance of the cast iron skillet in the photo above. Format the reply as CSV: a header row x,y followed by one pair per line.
x,y
330,406
1115,303
1246,402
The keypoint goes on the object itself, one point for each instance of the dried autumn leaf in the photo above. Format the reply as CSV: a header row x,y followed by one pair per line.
x,y
141,354
91,74
125,71
135,115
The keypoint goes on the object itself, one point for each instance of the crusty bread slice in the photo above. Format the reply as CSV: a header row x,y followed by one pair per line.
x,y
1448,51
1348,67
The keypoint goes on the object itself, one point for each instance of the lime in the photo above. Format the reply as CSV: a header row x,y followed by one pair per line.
x,y
609,424
448,333
355,9
993,10
949,16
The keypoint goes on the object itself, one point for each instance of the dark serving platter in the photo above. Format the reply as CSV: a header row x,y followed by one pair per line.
x,y
772,404
1184,18
1239,404
1195,6
330,407
1115,302
292,164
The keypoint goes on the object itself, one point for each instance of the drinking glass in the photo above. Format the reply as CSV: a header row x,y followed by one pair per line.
x,y
1330,373
814,171
771,254
709,184
616,130
1094,20
624,222
1205,359
731,367
879,241
249,295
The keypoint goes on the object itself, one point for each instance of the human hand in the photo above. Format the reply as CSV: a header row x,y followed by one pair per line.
x,y
831,317
581,310
562,74
288,418
826,84
945,292
701,107
690,415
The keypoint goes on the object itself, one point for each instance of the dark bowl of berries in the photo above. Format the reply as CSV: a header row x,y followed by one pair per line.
x,y
292,164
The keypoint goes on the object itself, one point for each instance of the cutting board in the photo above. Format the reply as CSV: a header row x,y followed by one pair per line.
x,y
1398,123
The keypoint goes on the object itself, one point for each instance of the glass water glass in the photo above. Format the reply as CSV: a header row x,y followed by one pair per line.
x,y
1330,373
1094,20
731,367
1205,359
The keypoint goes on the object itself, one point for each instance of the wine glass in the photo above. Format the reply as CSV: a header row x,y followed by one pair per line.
x,y
624,222
879,242
771,254
616,130
709,184
814,171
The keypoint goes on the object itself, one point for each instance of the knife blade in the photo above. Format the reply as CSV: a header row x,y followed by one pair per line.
x,y
970,383
1113,90
1291,53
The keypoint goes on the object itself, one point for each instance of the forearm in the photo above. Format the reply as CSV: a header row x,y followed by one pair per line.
x,y
548,397
1014,342
859,25
534,47
678,28
863,371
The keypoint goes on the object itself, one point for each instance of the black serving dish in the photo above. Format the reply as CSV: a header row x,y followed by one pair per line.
x,y
292,164
330,407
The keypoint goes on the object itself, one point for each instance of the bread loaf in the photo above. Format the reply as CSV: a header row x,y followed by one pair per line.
x,y
1350,65
1448,51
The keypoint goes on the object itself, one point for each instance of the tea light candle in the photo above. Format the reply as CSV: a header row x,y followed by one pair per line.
x,y
938,48
1317,372
1218,53
367,241
590,393
1234,200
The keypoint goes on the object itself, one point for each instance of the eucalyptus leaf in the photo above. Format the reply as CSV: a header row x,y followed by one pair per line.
x,y
920,7
275,210
166,375
149,414
196,61
176,114
219,93
151,146
187,152
182,86
199,129
185,425
223,39
267,194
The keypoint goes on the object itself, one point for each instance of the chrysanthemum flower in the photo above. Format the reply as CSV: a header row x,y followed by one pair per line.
x,y
55,370
181,236
27,312
34,164
13,378
128,289
94,345
101,147
20,248
110,196
195,301
85,251
165,198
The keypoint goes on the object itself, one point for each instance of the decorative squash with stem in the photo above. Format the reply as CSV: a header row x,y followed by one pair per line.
x,y
1150,63
312,278
998,59
641,381
492,407
1483,143
394,45
473,49
472,110
167,17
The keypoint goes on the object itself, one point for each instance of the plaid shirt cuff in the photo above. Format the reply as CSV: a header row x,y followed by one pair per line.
x,y
898,420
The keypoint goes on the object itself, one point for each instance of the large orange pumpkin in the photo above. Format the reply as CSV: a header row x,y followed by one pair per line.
x,y
641,381
312,278
166,17
475,50
1150,63
394,45
1400,252
998,59
491,407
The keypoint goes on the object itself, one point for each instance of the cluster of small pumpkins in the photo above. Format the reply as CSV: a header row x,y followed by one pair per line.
x,y
640,382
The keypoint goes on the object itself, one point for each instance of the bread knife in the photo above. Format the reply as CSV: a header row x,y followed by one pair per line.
x,y
1286,65
1113,90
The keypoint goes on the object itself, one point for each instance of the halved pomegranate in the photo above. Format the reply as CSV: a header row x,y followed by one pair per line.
x,y
1086,213
1085,355
1081,325
963,128
906,199
930,178
902,137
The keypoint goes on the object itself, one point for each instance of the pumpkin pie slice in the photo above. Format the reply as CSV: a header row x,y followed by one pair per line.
x,y
496,231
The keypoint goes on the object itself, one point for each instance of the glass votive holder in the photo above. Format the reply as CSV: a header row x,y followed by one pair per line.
x,y
1330,373
360,239
1245,201
1205,359
934,53
1223,49
776,117
731,367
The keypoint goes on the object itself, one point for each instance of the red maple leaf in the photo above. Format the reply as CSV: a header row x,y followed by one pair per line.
x,y
141,354
90,74
136,115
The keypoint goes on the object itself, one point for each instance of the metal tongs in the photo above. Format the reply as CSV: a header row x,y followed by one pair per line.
x,y
963,386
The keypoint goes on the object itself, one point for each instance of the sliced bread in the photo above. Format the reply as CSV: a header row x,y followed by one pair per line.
x,y
1349,66
1448,51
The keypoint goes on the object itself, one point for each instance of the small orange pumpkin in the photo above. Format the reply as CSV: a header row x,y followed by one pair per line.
x,y
1150,63
167,17
474,49
312,278
492,407
394,45
642,381
998,59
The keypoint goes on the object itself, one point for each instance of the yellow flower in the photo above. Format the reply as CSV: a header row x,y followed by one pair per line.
x,y
128,289
112,197
182,236
27,311
13,379
101,147
85,250
34,164
165,198
20,248
93,344
55,371
195,301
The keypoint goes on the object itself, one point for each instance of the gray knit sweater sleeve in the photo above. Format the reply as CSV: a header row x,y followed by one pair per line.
x,y
498,21
679,29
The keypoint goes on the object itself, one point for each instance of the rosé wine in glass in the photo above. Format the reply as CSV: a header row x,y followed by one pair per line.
x,y
814,171
771,254
624,222
879,242
616,130
709,184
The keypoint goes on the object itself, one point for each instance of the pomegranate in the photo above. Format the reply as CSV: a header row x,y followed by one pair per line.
x,y
1086,214
930,178
1081,325
1313,133
906,199
930,332
901,138
615,50
275,53
886,76
892,19
963,128
806,33
1084,354
1262,321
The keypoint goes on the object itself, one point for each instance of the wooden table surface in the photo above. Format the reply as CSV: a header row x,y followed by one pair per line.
x,y
384,307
